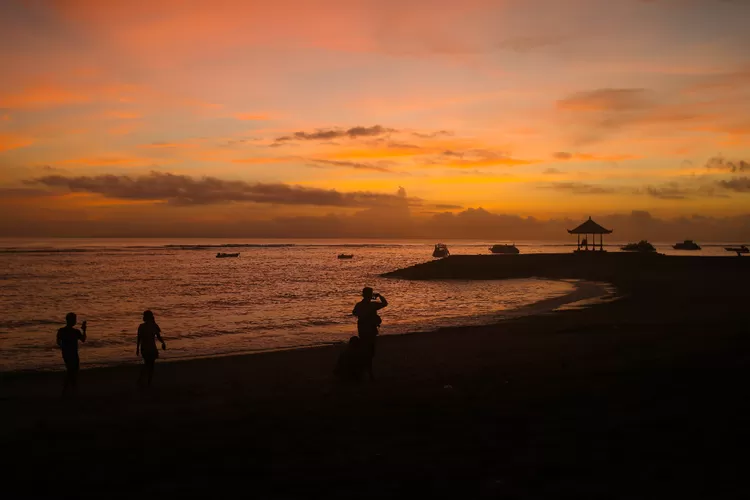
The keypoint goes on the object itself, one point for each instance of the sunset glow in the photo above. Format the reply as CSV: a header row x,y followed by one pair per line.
x,y
248,118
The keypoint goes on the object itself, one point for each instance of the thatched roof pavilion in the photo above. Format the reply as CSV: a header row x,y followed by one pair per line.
x,y
592,228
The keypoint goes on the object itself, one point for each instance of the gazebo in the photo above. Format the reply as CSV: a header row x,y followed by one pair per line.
x,y
592,228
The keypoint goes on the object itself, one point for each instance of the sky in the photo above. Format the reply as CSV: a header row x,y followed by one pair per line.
x,y
373,118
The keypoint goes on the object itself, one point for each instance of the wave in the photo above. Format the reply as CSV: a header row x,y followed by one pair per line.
x,y
30,322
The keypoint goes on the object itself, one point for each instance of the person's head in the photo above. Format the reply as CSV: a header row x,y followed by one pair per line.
x,y
148,316
354,342
71,319
367,293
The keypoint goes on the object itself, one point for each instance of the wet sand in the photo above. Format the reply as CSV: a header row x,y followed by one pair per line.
x,y
643,397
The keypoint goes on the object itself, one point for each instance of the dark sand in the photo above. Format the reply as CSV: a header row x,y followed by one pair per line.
x,y
645,397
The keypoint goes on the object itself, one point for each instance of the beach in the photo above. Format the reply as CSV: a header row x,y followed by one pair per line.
x,y
641,397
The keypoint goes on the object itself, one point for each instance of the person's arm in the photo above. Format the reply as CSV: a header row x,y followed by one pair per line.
x,y
138,342
158,336
355,311
83,334
383,303
59,339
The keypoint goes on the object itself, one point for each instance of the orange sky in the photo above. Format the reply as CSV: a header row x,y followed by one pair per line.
x,y
146,114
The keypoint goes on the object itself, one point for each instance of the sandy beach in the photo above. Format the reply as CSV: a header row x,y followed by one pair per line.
x,y
643,397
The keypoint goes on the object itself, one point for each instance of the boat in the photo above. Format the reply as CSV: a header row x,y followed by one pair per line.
x,y
686,245
440,251
346,256
225,255
504,249
739,250
642,246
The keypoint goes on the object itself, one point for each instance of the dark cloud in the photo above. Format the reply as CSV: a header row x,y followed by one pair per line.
x,y
738,184
375,167
329,134
185,190
607,100
14,193
562,155
452,154
580,188
433,135
402,145
668,192
552,171
446,206
719,163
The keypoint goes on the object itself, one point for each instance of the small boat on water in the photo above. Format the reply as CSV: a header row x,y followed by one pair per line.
x,y
440,251
642,246
739,250
686,245
504,249
225,255
346,256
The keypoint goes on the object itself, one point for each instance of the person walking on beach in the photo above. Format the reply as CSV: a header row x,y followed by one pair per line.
x,y
368,322
67,341
148,331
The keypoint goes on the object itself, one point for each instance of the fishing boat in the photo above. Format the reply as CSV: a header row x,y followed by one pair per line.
x,y
686,245
225,255
440,251
642,246
739,250
346,256
504,249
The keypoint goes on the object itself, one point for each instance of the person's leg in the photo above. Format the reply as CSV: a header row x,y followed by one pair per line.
x,y
150,370
370,355
71,375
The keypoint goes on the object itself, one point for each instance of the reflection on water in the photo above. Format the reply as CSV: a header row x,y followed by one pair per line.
x,y
270,297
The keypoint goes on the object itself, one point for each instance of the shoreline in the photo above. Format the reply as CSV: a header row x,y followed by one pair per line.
x,y
636,395
583,291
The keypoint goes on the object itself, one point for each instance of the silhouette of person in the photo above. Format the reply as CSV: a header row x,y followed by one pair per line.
x,y
146,346
368,322
67,341
351,364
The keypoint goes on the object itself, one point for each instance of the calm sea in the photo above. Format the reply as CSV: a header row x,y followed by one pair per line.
x,y
277,294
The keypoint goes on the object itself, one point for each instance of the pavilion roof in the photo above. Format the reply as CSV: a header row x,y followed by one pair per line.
x,y
589,227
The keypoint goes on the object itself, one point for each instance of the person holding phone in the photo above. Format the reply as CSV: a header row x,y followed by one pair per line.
x,y
368,322
148,331
67,341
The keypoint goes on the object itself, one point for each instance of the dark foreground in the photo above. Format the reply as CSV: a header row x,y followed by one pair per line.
x,y
646,397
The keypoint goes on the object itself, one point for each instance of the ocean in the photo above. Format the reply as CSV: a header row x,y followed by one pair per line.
x,y
276,295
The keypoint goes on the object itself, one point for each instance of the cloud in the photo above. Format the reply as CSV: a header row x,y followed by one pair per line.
x,y
580,188
433,135
738,184
452,154
668,192
606,100
565,156
379,167
562,155
719,163
185,190
476,158
14,193
445,206
328,134
552,171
